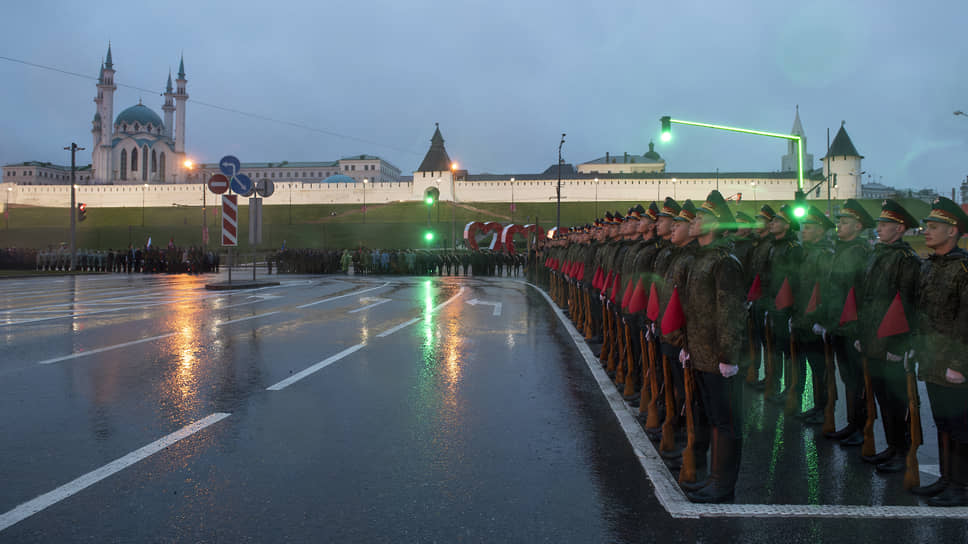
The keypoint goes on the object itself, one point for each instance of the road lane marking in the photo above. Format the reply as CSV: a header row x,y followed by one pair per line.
x,y
354,293
315,368
107,348
667,490
50,498
451,299
245,318
378,302
497,305
403,325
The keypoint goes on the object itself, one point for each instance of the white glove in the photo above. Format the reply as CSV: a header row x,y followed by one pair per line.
x,y
857,345
648,333
818,330
954,376
748,305
683,357
655,332
766,318
790,325
894,358
728,371
601,297
910,354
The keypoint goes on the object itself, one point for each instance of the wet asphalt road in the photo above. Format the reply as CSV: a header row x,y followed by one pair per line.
x,y
356,409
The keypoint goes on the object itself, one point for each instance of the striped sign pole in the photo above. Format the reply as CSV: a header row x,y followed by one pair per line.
x,y
230,223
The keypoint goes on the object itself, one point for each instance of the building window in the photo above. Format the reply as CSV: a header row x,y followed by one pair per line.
x,y
154,161
161,168
124,164
134,159
144,167
136,127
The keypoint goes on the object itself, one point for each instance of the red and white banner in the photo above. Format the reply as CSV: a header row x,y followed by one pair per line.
x,y
230,223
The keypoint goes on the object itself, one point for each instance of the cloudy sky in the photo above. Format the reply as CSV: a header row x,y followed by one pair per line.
x,y
505,79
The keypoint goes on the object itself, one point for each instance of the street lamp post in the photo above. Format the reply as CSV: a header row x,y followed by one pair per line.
x,y
558,207
365,181
674,197
6,208
596,197
512,200
453,205
143,188
73,148
753,184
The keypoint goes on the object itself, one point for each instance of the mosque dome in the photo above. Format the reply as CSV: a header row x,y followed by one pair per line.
x,y
339,178
139,118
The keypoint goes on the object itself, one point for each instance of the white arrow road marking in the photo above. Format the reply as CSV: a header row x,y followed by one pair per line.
x,y
376,302
342,296
497,305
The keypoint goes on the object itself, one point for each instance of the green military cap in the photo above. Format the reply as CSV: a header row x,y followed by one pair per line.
x,y
608,217
618,217
766,212
817,217
893,212
653,211
744,218
944,210
715,205
786,214
687,213
635,212
670,208
853,209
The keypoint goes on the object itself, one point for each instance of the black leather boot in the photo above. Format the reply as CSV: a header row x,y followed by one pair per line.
x,y
944,454
725,470
880,457
956,493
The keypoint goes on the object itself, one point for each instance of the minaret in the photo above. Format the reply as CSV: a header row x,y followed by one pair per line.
x,y
181,96
96,123
843,164
105,93
169,107
789,161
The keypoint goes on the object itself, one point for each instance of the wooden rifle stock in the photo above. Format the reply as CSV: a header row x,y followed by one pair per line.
x,y
793,396
668,442
652,419
770,363
753,374
829,423
868,448
645,397
912,477
631,376
688,471
606,336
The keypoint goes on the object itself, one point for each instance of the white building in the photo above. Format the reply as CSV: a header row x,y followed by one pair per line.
x,y
842,164
623,163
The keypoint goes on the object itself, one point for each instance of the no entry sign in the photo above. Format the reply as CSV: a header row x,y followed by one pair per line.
x,y
218,184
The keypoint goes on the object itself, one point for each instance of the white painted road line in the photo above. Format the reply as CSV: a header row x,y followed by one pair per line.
x,y
245,318
102,350
354,293
30,508
451,299
401,326
378,302
674,500
315,368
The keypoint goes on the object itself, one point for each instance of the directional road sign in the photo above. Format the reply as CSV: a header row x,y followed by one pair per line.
x,y
218,184
265,187
242,185
230,166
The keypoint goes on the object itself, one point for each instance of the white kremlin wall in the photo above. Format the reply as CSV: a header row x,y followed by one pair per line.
x,y
580,190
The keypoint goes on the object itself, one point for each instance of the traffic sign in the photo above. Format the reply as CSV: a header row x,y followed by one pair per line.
x,y
218,184
230,222
242,185
265,187
230,166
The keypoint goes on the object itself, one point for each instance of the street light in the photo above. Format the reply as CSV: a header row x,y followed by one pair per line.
x,y
143,188
453,205
558,207
6,208
596,198
753,184
674,189
512,200
365,181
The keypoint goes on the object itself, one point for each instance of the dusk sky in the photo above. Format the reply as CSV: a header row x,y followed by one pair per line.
x,y
505,79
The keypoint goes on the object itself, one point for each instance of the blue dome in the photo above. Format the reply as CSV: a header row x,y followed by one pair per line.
x,y
140,114
339,178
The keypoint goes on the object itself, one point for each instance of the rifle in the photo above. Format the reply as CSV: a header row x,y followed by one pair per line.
x,y
606,336
645,397
652,420
793,397
620,367
688,471
868,448
668,442
829,425
630,373
616,343
912,477
589,332
770,363
753,374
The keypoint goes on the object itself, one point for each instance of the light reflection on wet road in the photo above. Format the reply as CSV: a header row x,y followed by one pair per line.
x,y
447,423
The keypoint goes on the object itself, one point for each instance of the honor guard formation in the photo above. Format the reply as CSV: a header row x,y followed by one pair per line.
x,y
686,304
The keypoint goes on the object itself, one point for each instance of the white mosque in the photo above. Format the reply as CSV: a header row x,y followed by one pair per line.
x,y
138,146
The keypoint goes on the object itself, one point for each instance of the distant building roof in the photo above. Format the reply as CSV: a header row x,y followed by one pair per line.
x,y
281,164
649,157
139,113
436,159
566,170
39,164
340,178
842,146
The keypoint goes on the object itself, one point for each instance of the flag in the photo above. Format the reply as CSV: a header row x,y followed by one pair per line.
x,y
814,299
894,321
756,290
638,299
674,318
616,284
627,294
653,306
784,299
149,242
849,313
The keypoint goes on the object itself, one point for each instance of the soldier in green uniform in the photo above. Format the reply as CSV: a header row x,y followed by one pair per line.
x,y
714,342
817,254
942,327
846,272
786,257
757,273
892,270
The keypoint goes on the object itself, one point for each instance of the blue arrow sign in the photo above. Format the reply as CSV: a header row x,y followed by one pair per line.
x,y
242,185
230,166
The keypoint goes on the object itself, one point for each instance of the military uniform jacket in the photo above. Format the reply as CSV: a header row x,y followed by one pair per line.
x,y
675,277
642,269
813,271
891,269
942,330
715,295
759,265
743,250
846,271
786,257
629,271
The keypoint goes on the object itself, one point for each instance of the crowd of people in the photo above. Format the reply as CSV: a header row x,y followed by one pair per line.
x,y
148,260
692,307
367,261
